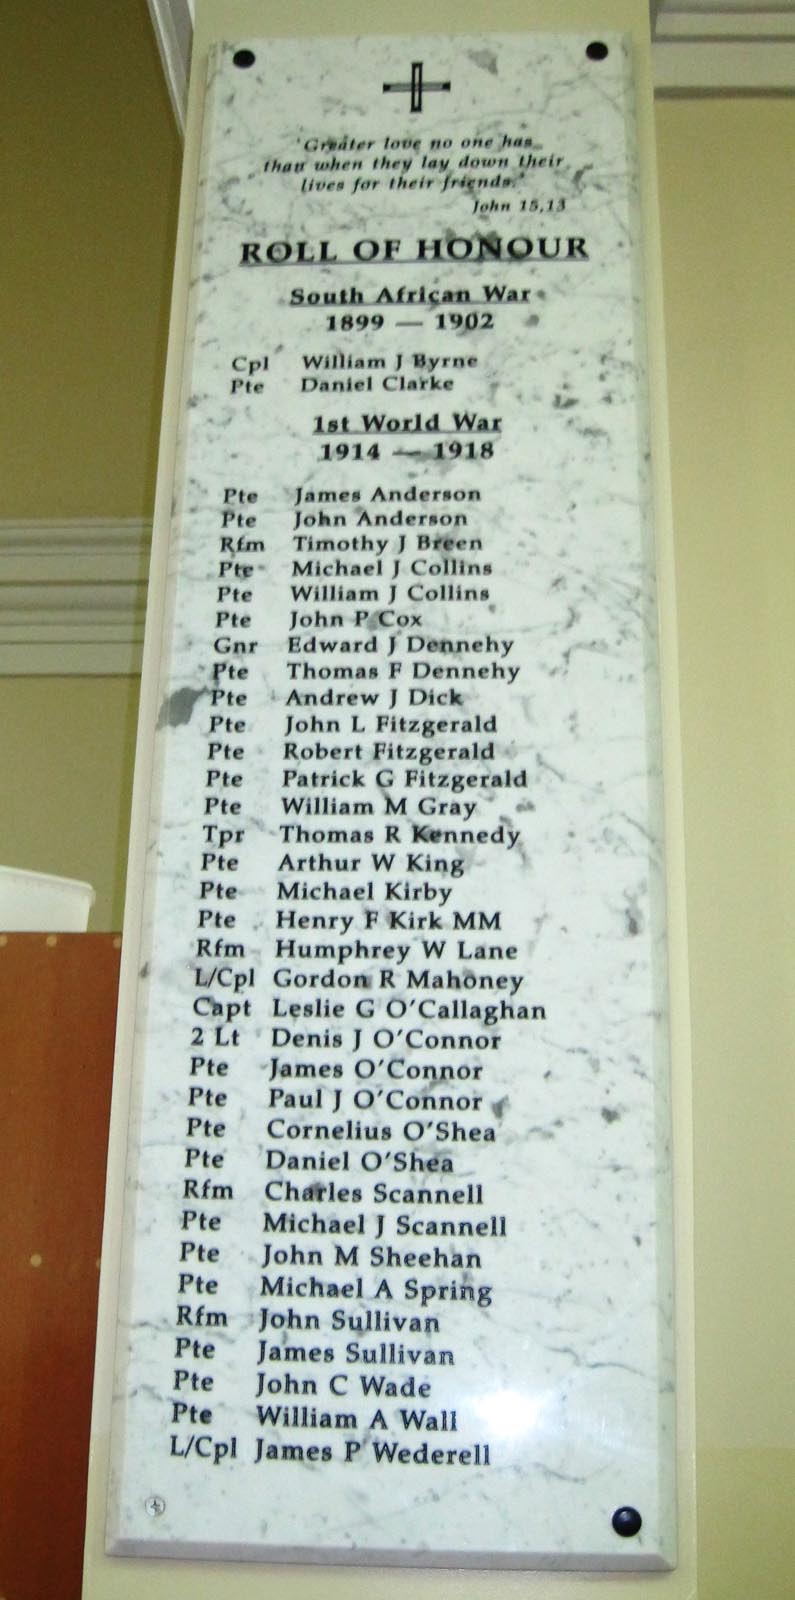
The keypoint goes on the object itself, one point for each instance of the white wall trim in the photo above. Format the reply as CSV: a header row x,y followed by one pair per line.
x,y
173,25
72,596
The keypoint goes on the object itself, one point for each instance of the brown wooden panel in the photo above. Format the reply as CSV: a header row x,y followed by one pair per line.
x,y
57,1022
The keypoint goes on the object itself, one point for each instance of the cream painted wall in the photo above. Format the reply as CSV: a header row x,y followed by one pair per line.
x,y
728,230
91,162
65,781
87,359
90,165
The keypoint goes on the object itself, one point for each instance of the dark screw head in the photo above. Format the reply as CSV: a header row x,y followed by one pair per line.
x,y
596,51
627,1522
244,58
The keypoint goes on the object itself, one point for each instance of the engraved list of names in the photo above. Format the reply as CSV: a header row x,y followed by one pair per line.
x,y
396,1281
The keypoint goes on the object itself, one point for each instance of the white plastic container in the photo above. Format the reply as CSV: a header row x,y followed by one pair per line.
x,y
36,902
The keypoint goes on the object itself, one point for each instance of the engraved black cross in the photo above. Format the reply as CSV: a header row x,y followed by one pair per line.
x,y
417,87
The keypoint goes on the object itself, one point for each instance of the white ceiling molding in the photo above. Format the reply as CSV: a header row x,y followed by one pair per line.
x,y
725,9
72,596
733,47
726,49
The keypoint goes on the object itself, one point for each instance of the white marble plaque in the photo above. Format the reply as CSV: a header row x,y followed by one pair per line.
x,y
397,1280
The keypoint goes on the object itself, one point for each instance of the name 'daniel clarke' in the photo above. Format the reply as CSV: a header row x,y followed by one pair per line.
x,y
427,373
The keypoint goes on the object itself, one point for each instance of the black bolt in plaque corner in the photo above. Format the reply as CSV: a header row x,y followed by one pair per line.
x,y
244,58
627,1522
596,50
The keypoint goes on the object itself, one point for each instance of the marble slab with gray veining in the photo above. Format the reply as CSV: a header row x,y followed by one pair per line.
x,y
397,1281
